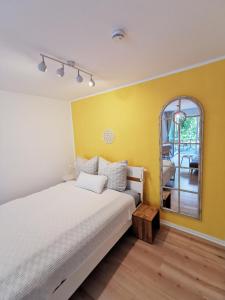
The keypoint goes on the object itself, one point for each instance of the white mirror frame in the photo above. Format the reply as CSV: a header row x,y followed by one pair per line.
x,y
200,159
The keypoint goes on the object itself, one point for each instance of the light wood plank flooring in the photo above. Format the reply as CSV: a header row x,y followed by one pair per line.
x,y
176,266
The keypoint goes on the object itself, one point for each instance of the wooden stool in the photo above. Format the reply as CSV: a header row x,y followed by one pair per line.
x,y
146,222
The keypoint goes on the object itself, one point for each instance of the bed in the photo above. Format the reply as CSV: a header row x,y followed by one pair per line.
x,y
58,237
168,171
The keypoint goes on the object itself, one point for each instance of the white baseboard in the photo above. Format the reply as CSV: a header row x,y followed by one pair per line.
x,y
194,232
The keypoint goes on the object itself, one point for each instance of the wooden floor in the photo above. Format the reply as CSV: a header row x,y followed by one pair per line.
x,y
176,266
189,202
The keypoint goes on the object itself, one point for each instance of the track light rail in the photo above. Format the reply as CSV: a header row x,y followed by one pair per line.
x,y
60,72
66,64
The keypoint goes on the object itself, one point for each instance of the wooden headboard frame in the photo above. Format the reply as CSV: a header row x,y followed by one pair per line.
x,y
135,180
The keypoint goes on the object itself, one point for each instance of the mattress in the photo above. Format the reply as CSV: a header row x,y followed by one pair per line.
x,y
47,235
135,195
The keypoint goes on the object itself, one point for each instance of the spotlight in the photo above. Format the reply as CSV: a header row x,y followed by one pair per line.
x,y
60,71
79,77
42,66
91,82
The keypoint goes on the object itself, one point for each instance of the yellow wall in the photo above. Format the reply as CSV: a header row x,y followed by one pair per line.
x,y
133,114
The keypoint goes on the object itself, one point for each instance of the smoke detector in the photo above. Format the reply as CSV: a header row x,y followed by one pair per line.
x,y
118,34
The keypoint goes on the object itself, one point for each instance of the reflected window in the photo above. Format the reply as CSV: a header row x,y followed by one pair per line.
x,y
181,157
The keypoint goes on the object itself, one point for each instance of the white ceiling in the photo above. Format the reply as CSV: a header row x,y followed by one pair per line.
x,y
162,36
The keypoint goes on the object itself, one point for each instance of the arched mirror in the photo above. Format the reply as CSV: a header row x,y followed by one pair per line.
x,y
181,124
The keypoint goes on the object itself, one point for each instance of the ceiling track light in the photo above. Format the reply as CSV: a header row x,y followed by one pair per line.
x,y
91,82
60,72
42,66
79,77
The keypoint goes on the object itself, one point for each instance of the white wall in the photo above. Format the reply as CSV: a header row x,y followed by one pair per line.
x,y
35,143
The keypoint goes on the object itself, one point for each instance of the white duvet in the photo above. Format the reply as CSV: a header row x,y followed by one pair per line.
x,y
41,232
169,170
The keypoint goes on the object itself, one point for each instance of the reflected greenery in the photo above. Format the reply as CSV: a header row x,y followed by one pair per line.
x,y
189,130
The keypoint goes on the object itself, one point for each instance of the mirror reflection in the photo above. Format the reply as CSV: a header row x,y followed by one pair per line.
x,y
181,138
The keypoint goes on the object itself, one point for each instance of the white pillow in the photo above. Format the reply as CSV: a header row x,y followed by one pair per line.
x,y
94,183
116,173
89,166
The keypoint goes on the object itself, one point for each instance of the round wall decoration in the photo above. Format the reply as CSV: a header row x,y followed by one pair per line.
x,y
108,136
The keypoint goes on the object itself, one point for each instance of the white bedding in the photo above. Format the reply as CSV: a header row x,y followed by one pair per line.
x,y
168,171
53,231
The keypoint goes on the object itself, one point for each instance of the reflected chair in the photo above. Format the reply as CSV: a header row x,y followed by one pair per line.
x,y
194,164
166,151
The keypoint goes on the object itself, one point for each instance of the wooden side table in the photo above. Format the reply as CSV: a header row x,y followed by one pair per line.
x,y
146,222
166,199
